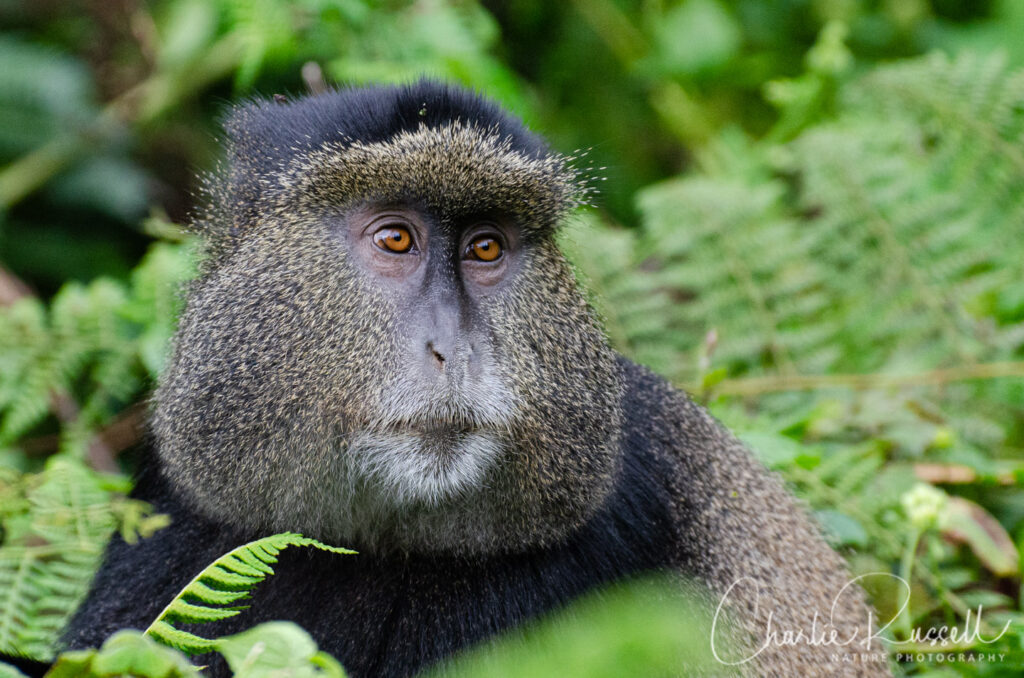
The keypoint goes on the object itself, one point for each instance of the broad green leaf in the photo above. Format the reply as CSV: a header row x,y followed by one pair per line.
x,y
8,671
126,653
646,628
276,649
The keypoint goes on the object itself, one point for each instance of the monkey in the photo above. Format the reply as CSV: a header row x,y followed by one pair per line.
x,y
385,349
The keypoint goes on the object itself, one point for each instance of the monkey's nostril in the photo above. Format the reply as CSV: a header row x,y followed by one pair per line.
x,y
437,355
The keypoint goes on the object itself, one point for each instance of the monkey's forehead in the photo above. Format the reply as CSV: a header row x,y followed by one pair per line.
x,y
455,169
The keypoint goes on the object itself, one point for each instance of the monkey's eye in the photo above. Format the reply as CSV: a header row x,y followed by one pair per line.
x,y
484,248
393,239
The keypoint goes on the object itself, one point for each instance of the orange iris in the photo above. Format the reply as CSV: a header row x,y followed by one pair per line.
x,y
393,238
486,248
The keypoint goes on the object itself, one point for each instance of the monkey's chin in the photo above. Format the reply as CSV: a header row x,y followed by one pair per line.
x,y
428,465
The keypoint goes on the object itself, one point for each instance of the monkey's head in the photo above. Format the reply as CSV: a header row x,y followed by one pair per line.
x,y
386,348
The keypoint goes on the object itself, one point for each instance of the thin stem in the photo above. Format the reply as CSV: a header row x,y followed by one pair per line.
x,y
752,386
906,571
139,105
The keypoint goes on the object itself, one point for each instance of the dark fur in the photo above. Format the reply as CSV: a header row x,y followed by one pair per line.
x,y
388,615
611,472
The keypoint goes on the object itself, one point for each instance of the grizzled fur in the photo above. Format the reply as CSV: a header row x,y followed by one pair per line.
x,y
285,405
279,408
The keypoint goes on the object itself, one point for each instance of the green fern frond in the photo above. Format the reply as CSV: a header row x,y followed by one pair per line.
x,y
98,344
874,248
49,556
886,239
228,579
970,109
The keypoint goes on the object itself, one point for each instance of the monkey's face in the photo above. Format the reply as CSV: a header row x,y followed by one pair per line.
x,y
445,403
395,354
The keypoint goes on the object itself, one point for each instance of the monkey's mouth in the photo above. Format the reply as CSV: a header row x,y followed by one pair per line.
x,y
434,439
442,428
431,427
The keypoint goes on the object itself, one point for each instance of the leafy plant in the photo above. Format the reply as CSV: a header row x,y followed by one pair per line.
x,y
640,627
229,579
842,300
827,254
101,343
210,596
55,527
268,650
124,653
653,627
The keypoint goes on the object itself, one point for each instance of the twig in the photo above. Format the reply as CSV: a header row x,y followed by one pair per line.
x,y
863,382
99,456
955,474
141,104
11,288
120,434
612,25
126,429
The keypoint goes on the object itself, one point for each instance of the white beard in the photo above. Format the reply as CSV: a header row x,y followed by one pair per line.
x,y
427,468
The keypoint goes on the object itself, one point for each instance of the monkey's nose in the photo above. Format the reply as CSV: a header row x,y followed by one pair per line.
x,y
438,356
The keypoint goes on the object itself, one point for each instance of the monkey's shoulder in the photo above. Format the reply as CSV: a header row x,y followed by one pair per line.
x,y
702,470
660,419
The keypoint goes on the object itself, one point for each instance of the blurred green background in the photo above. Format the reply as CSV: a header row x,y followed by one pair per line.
x,y
811,216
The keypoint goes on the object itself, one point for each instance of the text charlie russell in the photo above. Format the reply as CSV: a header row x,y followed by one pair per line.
x,y
869,643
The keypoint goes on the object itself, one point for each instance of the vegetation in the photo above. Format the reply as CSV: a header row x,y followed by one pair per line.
x,y
810,217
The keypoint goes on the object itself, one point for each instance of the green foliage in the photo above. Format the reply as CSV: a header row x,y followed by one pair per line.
x,y
881,241
124,653
694,38
454,42
101,343
42,93
823,244
272,649
8,671
55,526
40,596
275,648
649,628
210,594
875,246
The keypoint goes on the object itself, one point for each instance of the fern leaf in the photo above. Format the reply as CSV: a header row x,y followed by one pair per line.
x,y
199,614
239,566
201,591
180,640
228,579
45,570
